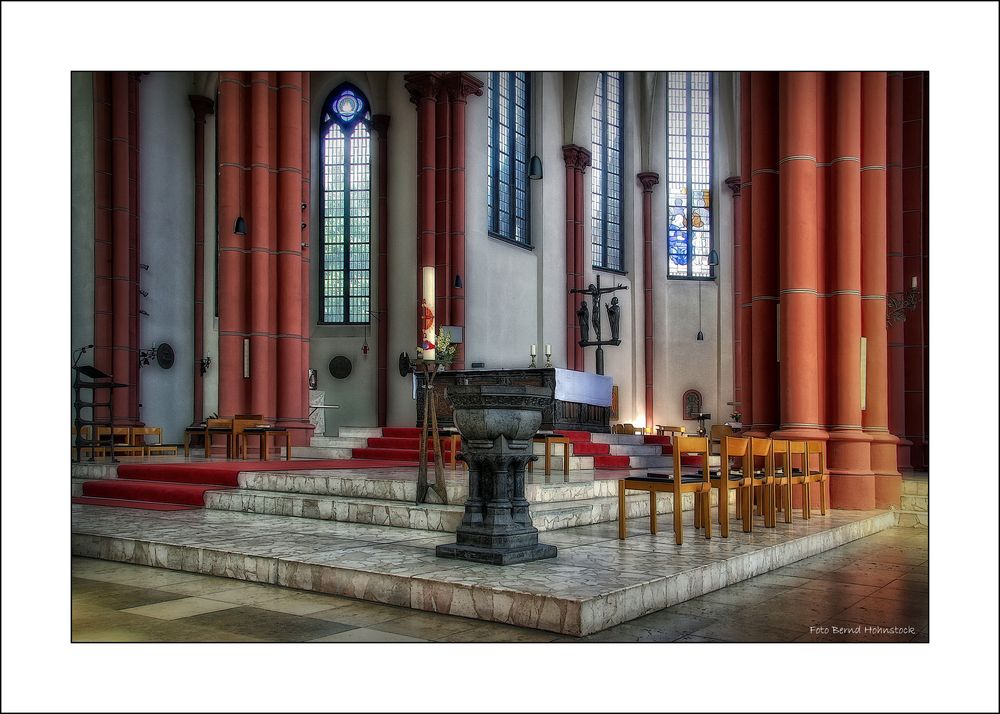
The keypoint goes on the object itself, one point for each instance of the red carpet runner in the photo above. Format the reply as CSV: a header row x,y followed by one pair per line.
x,y
152,486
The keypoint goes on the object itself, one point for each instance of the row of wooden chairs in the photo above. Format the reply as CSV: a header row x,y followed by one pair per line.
x,y
762,471
128,440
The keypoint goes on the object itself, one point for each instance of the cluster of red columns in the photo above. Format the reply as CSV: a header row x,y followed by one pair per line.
x,y
812,255
263,139
648,179
577,160
380,125
441,100
116,238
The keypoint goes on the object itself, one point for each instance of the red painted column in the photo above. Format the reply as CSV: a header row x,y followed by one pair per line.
x,y
103,234
648,179
380,124
744,313
202,106
260,244
875,419
896,278
914,237
305,279
423,89
798,259
232,202
442,216
572,327
133,169
733,182
764,252
460,86
582,162
852,483
288,379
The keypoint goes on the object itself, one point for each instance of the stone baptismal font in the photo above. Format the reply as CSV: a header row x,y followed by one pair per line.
x,y
497,423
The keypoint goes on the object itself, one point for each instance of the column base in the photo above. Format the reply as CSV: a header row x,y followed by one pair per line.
x,y
855,492
848,453
493,556
888,491
800,433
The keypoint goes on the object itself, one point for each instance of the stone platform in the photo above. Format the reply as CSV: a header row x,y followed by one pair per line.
x,y
595,582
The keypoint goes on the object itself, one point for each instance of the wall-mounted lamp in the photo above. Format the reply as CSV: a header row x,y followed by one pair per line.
x,y
458,282
144,266
713,258
143,292
240,228
701,335
535,168
143,312
898,304
205,363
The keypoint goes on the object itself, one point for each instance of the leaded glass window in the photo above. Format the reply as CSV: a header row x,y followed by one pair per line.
x,y
507,166
689,174
345,276
606,162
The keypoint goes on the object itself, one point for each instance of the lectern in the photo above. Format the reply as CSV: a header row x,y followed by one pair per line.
x,y
98,381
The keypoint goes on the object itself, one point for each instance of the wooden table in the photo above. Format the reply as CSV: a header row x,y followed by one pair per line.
x,y
549,439
262,432
211,433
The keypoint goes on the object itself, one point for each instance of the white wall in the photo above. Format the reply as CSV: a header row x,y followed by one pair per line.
x,y
210,333
166,234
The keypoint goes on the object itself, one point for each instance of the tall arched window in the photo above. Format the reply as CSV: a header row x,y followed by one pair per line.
x,y
345,276
606,186
507,180
689,174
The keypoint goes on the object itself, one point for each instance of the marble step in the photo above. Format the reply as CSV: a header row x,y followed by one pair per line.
x,y
616,438
340,442
427,516
636,450
911,519
319,452
360,432
913,503
915,486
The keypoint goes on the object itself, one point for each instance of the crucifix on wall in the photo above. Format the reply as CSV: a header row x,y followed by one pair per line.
x,y
592,316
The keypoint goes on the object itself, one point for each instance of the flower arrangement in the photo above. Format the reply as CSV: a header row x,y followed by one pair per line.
x,y
444,349
736,416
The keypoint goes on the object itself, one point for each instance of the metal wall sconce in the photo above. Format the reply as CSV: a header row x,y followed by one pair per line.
x,y
898,304
713,258
144,266
535,168
458,282
240,228
205,363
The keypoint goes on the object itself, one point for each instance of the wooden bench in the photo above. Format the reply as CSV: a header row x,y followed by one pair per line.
x,y
139,434
550,438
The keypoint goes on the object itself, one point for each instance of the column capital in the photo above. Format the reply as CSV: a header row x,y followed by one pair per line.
x,y
380,124
576,157
202,106
422,85
648,179
733,182
460,85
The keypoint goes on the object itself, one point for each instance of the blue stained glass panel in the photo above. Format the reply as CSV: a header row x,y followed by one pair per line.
x,y
606,172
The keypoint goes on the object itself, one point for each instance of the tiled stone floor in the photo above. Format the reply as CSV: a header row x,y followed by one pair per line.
x,y
877,581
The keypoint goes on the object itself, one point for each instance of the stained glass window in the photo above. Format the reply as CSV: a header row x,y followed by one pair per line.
x,y
606,162
689,174
345,282
507,166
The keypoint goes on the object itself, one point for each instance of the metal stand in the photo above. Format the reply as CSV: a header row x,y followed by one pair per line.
x,y
429,368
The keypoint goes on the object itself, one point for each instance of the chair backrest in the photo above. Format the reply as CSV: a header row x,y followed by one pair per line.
x,y
122,434
735,449
718,432
817,449
670,429
139,434
690,445
218,423
762,451
250,417
617,428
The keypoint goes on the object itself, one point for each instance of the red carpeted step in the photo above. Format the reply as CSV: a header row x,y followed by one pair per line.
x,y
410,456
395,442
663,440
402,432
222,474
611,462
158,491
121,503
589,448
575,436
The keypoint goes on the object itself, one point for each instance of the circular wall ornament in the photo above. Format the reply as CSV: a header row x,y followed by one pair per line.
x,y
340,367
165,356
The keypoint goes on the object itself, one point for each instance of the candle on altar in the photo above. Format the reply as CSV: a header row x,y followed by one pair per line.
x,y
532,350
548,350
913,283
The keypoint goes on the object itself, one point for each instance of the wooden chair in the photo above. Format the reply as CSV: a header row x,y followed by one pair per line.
x,y
735,472
677,483
122,436
816,450
214,427
139,434
241,422
790,458
717,433
765,480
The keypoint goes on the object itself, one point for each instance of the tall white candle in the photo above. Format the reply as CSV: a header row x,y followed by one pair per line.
x,y
532,350
913,283
548,349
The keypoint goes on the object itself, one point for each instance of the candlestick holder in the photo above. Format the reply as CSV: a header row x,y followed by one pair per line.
x,y
532,361
548,361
